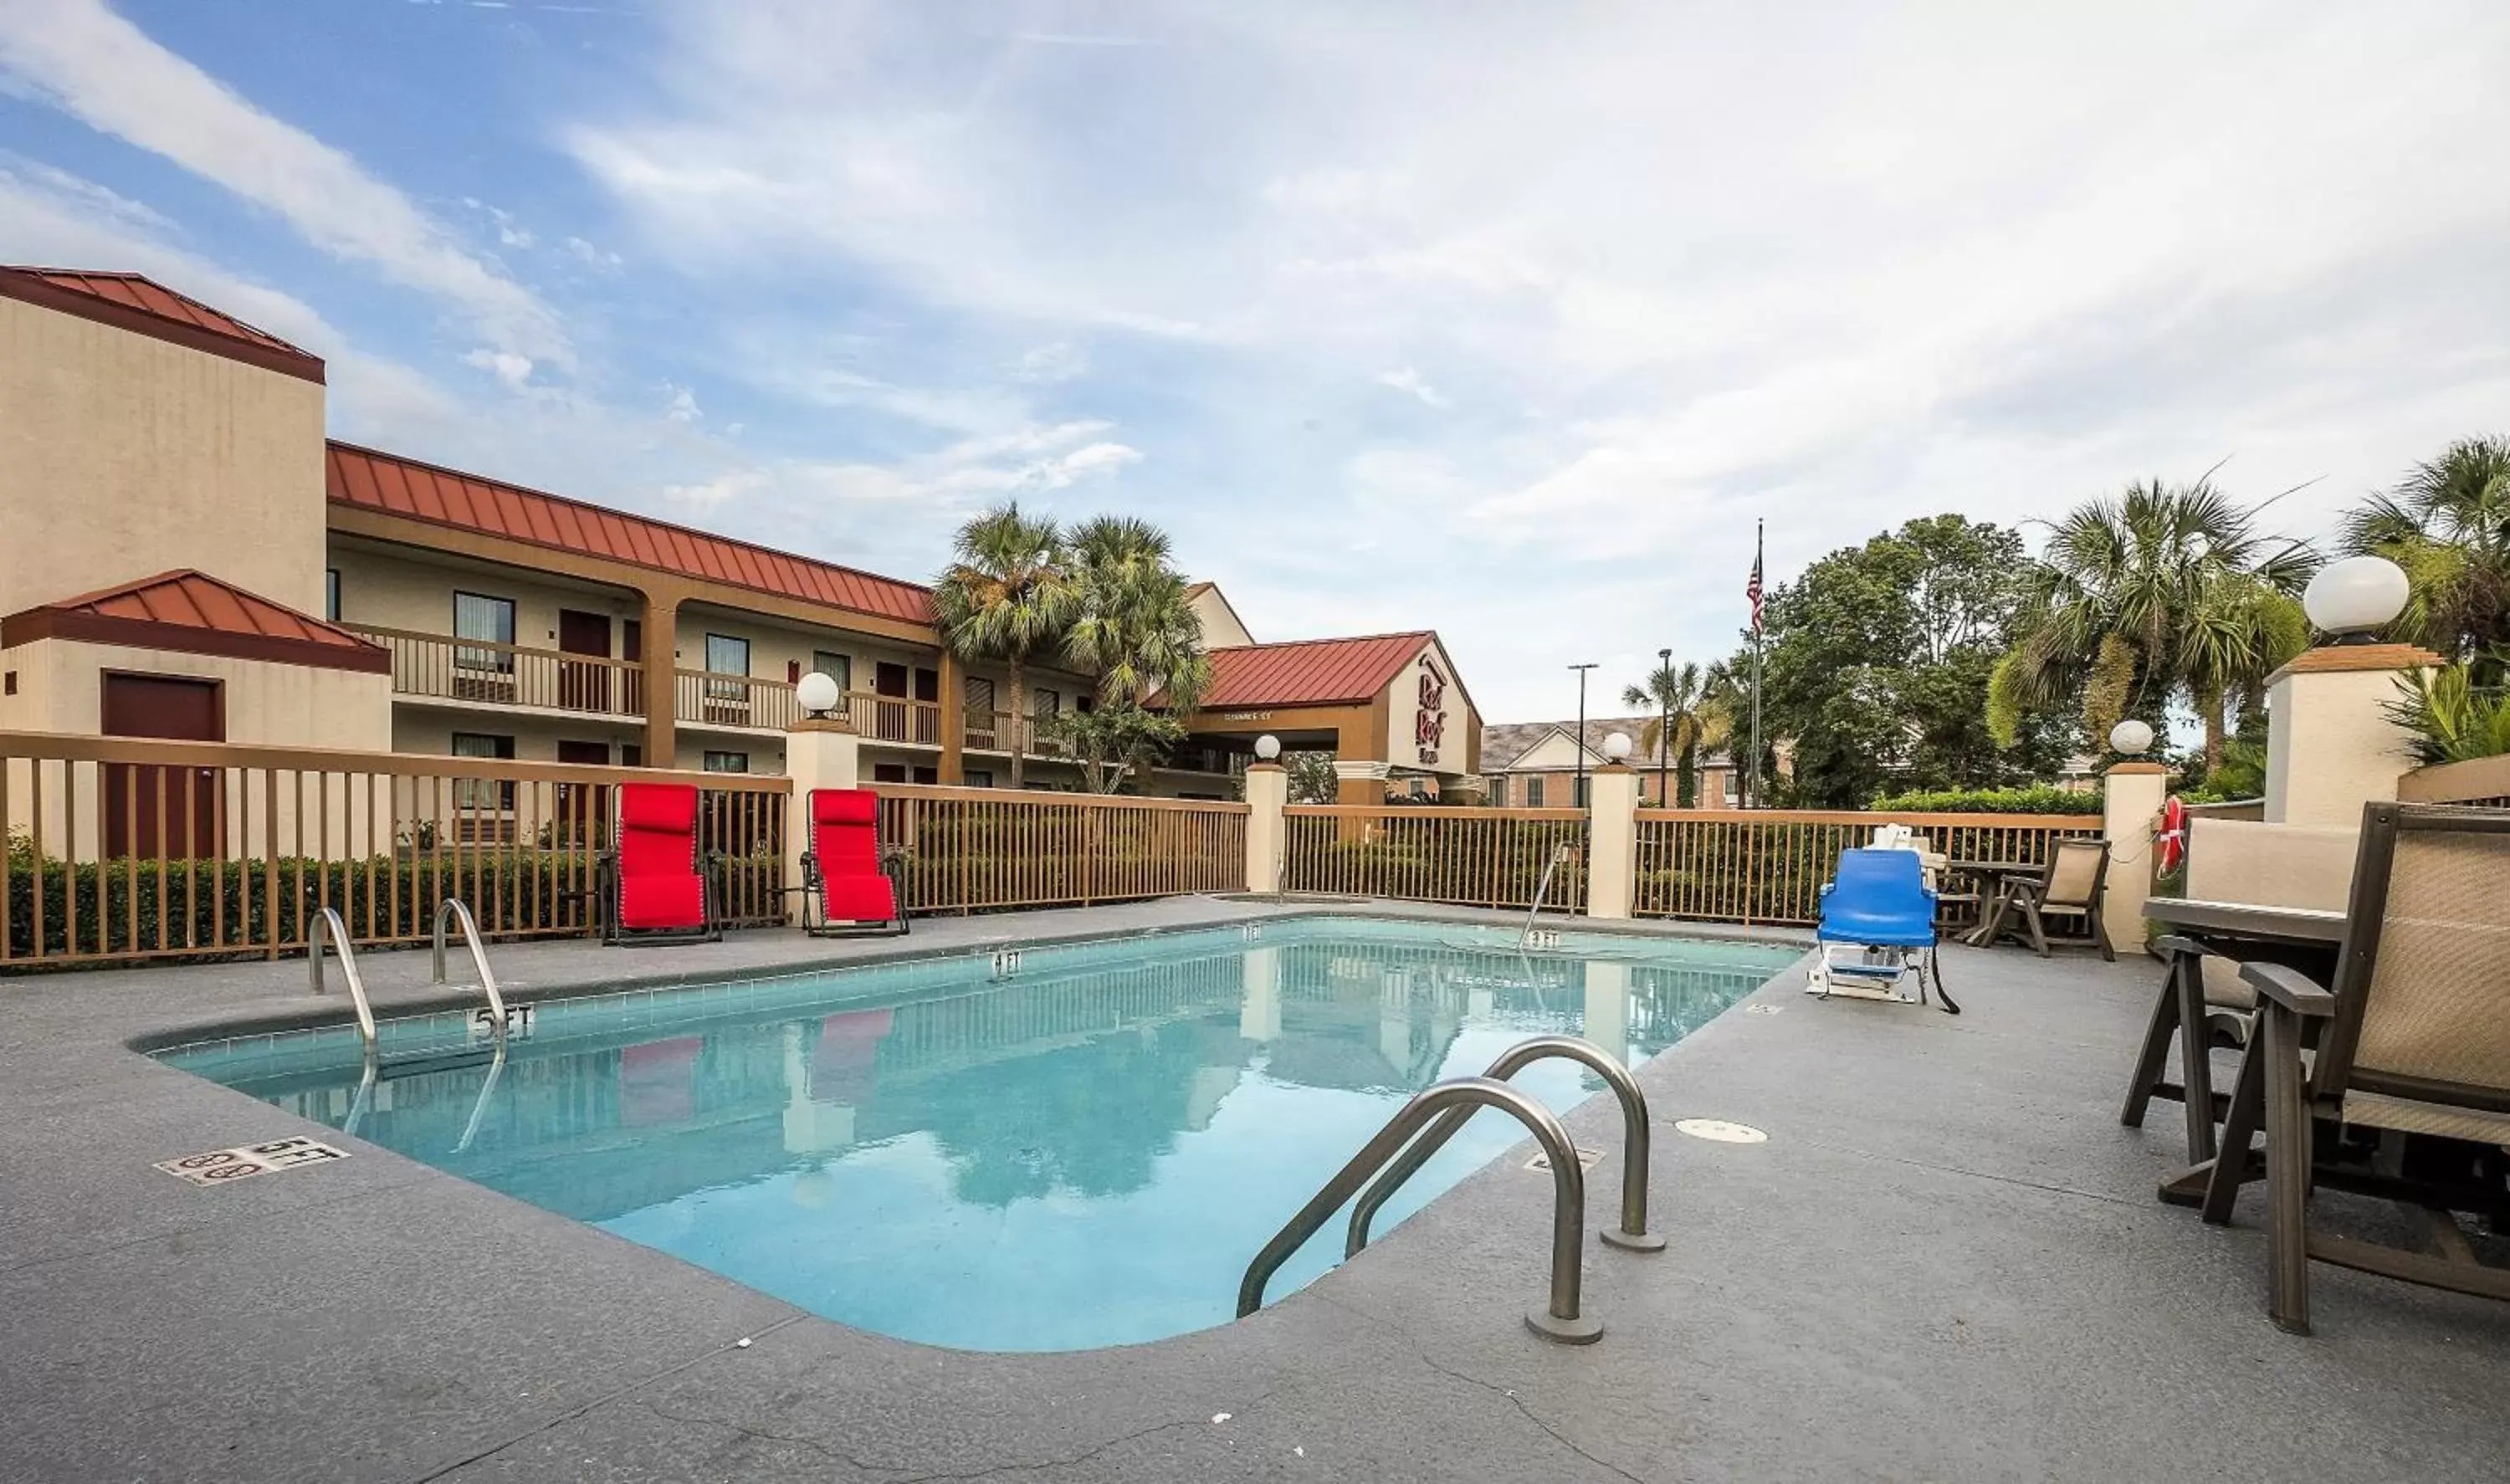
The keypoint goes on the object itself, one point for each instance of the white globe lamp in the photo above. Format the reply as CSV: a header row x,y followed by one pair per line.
x,y
1267,746
2130,737
2355,597
817,693
1616,747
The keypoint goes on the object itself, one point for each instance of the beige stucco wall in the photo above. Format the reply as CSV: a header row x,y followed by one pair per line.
x,y
391,589
286,706
1221,628
2332,747
134,456
61,689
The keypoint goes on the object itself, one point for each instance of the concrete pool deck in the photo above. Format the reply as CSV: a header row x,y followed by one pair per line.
x,y
1946,1262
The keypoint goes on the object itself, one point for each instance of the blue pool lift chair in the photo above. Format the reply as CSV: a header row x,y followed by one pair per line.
x,y
1877,930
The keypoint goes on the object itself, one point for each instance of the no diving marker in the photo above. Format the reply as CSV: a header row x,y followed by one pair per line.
x,y
220,1166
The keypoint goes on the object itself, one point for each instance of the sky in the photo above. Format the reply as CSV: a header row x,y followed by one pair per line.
x,y
1503,320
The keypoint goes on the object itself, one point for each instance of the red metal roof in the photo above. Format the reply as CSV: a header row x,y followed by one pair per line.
x,y
401,486
1310,671
131,302
194,612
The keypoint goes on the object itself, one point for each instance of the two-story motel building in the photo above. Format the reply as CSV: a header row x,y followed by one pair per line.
x,y
184,553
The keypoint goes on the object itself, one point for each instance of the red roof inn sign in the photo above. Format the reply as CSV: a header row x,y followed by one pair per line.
x,y
1430,723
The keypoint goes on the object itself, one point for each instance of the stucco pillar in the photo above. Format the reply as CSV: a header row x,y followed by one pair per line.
x,y
819,752
661,641
1360,782
1612,840
2131,798
2331,744
1268,792
954,721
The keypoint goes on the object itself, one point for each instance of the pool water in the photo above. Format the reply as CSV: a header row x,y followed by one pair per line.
x,y
1082,1148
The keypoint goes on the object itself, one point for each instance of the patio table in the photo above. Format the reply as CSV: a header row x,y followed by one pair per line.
x,y
1997,875
2306,939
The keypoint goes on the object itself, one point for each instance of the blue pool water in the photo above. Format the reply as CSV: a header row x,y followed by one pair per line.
x,y
1081,1150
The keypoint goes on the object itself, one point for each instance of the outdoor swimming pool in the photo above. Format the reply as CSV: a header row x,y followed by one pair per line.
x,y
1081,1147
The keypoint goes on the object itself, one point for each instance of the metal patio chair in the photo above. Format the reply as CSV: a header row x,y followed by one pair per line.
x,y
2412,1039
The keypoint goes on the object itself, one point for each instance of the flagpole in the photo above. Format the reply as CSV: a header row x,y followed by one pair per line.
x,y
1752,800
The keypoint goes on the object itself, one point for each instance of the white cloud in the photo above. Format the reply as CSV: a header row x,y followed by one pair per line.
x,y
590,256
1058,362
1696,265
84,59
682,406
515,371
1408,381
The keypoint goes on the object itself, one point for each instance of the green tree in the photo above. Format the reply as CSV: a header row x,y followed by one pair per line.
x,y
1113,743
1008,596
2162,593
1134,626
1876,661
2447,524
1312,780
1679,696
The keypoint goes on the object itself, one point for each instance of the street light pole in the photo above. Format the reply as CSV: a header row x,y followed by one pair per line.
x,y
1664,722
1580,797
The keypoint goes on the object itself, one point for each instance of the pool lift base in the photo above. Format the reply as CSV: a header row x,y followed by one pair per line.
x,y
1873,973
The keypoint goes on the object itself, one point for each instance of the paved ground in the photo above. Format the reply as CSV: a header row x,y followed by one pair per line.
x,y
1946,1263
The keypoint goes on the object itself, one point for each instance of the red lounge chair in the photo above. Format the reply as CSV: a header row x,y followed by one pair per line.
x,y
844,894
653,889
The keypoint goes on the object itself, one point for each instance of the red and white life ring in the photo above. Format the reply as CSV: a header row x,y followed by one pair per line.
x,y
2170,847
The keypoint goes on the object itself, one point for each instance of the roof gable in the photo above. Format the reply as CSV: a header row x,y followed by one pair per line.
x,y
194,612
375,481
1310,671
145,306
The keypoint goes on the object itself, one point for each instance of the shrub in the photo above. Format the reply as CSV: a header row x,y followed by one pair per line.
x,y
2035,799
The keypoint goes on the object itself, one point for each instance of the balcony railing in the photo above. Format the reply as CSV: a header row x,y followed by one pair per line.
x,y
441,668
708,698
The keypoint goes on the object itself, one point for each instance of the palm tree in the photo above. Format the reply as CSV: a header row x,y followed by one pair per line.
x,y
2164,590
2447,524
1680,698
1135,627
1008,596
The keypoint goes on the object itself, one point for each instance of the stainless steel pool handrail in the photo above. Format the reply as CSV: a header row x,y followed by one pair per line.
x,y
1561,1320
328,922
1541,890
454,910
1631,1235
480,1104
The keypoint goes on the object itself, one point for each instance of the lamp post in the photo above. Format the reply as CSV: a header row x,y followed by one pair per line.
x,y
1579,798
1664,722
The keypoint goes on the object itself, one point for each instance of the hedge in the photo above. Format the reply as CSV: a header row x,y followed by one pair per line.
x,y
2036,799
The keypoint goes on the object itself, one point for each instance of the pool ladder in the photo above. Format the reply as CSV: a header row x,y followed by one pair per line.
x,y
1395,1155
329,925
1541,890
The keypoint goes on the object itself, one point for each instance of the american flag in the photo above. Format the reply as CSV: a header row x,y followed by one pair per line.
x,y
1752,589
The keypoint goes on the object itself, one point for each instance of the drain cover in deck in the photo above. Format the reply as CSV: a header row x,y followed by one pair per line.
x,y
1719,1132
1587,1158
